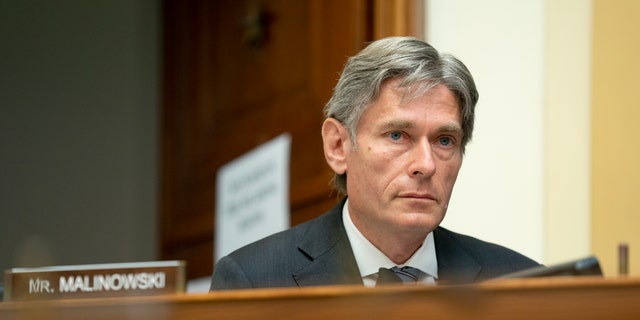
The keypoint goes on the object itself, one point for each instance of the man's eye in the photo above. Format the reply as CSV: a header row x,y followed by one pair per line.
x,y
445,141
395,135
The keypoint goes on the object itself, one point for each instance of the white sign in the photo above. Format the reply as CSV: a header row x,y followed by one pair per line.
x,y
253,196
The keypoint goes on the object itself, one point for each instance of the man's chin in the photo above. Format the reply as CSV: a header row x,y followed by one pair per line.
x,y
421,221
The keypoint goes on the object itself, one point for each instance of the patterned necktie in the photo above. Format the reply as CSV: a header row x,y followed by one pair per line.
x,y
398,275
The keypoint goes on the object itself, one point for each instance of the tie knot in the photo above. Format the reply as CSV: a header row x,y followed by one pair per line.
x,y
398,275
407,274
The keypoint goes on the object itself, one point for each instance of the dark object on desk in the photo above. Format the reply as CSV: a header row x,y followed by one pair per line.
x,y
581,267
1,292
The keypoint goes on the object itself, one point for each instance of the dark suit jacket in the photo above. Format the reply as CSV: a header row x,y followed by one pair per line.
x,y
318,252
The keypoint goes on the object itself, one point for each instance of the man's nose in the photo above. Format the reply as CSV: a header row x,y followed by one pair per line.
x,y
421,159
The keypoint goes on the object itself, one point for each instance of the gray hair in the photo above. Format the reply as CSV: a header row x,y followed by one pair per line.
x,y
418,65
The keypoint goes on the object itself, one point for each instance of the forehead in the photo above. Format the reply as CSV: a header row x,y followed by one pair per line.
x,y
422,101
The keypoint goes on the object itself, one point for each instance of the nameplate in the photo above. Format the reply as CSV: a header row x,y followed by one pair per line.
x,y
95,281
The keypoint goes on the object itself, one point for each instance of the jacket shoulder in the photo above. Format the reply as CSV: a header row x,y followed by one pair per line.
x,y
273,260
455,251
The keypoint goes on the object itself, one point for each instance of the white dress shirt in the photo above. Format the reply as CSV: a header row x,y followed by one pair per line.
x,y
370,258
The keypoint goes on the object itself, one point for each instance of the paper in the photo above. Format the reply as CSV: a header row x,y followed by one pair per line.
x,y
252,198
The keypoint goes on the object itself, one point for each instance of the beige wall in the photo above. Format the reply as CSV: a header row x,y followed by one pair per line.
x,y
615,132
567,129
526,180
499,195
590,161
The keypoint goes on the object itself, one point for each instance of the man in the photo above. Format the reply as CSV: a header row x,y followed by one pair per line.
x,y
395,134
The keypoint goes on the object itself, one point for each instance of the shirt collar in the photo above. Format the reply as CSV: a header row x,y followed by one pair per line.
x,y
370,258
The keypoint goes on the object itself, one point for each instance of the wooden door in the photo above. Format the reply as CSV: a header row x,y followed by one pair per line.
x,y
238,73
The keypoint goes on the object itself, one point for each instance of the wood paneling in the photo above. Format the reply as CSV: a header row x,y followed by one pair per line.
x,y
224,95
398,18
237,74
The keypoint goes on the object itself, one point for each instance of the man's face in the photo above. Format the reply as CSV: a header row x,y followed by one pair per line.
x,y
401,173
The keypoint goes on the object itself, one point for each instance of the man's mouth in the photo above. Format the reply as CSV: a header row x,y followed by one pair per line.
x,y
418,195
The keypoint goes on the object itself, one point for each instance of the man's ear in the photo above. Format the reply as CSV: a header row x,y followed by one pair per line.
x,y
335,140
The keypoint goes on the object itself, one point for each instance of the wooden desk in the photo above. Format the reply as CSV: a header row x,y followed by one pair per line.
x,y
544,298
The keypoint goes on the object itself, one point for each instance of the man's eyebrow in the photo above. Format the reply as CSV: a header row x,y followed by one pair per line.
x,y
398,124
451,127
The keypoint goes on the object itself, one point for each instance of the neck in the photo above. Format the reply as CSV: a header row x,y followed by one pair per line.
x,y
398,245
400,250
396,242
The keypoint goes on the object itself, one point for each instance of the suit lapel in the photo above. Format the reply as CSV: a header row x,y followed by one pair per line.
x,y
455,264
332,261
331,258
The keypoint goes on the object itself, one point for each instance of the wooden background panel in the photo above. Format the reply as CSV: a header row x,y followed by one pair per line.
x,y
224,96
239,73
